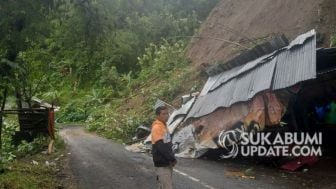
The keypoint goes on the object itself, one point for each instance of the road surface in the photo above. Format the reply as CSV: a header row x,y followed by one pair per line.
x,y
102,164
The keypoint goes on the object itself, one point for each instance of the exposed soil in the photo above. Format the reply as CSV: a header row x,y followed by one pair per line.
x,y
65,175
251,22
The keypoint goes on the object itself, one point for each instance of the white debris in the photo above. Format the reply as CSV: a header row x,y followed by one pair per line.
x,y
35,162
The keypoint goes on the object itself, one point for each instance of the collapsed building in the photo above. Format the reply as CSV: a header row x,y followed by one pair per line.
x,y
276,86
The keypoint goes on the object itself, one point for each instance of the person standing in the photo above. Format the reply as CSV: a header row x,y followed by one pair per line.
x,y
163,156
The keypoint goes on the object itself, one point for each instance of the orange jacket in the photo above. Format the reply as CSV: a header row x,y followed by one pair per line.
x,y
162,152
159,131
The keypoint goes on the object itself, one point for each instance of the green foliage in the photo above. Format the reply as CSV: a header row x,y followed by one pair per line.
x,y
37,145
73,111
9,151
82,104
163,68
74,39
22,173
333,41
161,60
53,96
91,57
22,28
80,44
116,126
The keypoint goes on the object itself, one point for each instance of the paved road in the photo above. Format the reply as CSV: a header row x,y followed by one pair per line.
x,y
100,163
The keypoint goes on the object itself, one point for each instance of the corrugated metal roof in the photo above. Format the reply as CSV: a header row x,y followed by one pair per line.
x,y
211,81
228,75
295,65
265,48
280,69
238,89
182,111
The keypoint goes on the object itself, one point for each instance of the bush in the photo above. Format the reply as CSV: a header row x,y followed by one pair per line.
x,y
163,71
161,60
74,111
9,151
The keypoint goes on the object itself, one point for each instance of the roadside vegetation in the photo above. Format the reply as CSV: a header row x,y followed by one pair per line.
x,y
27,165
94,59
104,63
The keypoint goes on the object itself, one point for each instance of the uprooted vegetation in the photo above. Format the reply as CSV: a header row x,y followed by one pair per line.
x,y
161,76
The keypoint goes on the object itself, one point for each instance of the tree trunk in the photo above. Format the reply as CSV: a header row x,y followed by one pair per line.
x,y
3,103
18,98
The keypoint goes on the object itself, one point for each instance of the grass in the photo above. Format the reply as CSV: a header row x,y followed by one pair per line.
x,y
35,171
22,174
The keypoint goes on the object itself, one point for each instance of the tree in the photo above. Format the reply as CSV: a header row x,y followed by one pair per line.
x,y
23,24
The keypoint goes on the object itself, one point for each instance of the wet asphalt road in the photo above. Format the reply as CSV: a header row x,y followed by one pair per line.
x,y
100,163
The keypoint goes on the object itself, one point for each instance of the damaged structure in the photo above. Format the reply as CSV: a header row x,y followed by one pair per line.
x,y
275,86
252,95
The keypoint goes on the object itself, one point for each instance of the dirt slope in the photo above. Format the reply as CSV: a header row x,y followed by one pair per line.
x,y
249,22
253,21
